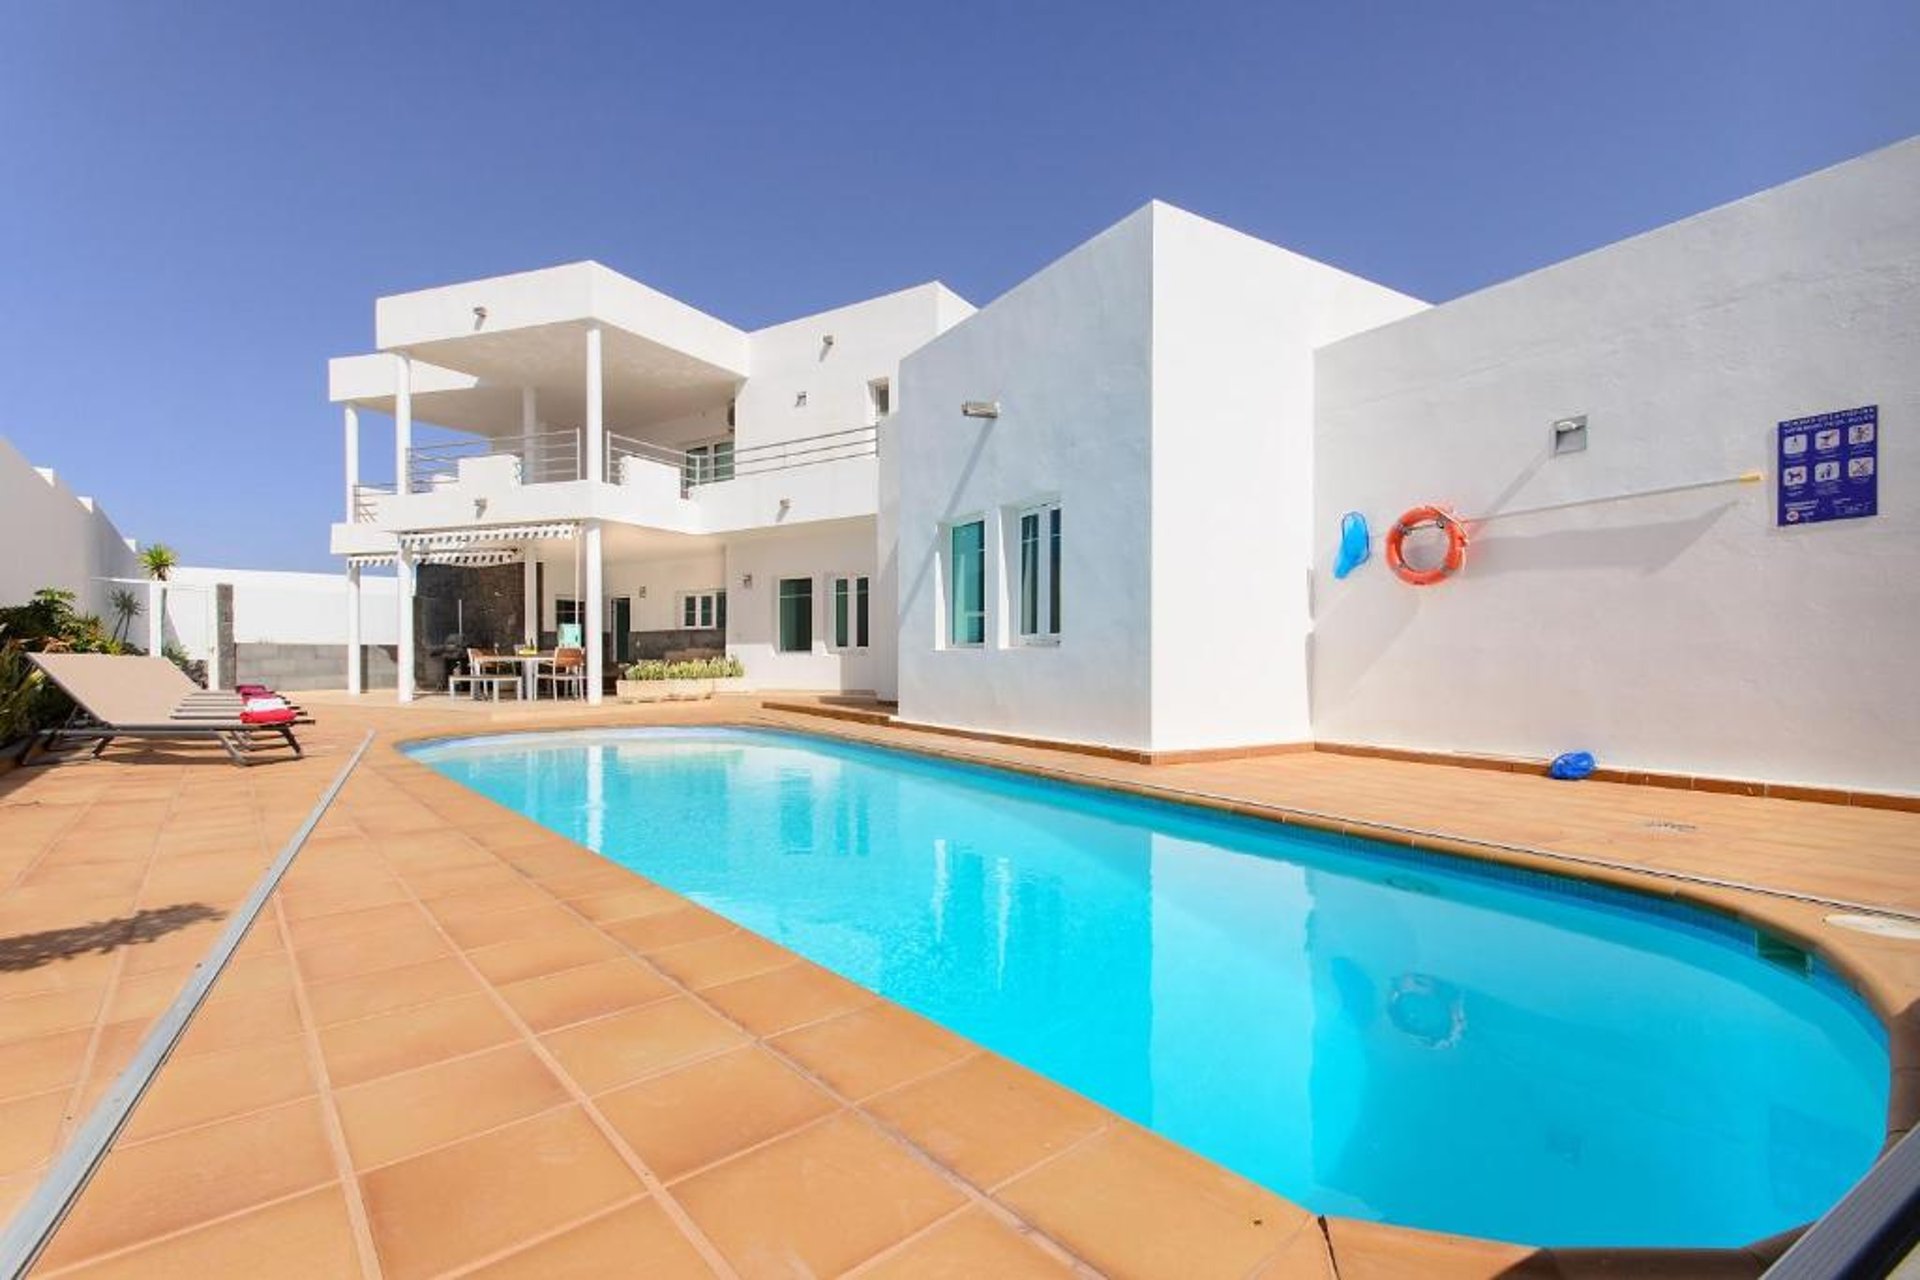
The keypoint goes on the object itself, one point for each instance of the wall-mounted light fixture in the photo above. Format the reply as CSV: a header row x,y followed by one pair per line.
x,y
979,408
640,592
827,341
1569,435
800,400
479,316
746,580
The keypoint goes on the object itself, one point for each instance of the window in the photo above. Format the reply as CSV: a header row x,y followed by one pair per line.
x,y
879,400
568,618
708,463
704,609
967,584
1040,573
796,615
850,613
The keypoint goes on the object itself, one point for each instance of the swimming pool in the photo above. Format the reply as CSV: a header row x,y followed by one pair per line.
x,y
1366,1029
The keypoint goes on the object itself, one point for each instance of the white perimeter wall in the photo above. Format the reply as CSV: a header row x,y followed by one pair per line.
x,y
53,537
1684,633
1067,353
817,552
272,607
1235,323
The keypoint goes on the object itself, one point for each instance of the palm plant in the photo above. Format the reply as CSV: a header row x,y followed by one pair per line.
x,y
159,561
126,607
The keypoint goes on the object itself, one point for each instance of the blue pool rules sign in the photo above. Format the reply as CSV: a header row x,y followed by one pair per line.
x,y
1829,467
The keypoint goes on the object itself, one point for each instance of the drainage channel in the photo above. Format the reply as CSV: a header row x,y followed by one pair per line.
x,y
42,1213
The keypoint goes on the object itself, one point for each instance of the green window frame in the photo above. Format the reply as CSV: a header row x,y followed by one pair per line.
x,y
704,610
850,612
796,615
1040,573
967,584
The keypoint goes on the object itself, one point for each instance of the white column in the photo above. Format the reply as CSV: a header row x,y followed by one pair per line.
x,y
529,426
156,616
402,422
355,663
352,417
530,598
403,593
595,443
596,606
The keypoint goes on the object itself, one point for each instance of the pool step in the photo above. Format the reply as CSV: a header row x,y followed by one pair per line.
x,y
833,711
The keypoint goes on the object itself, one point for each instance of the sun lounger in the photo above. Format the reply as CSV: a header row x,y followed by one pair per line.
x,y
134,697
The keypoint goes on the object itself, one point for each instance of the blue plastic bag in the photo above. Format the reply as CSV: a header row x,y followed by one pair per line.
x,y
1572,766
1356,544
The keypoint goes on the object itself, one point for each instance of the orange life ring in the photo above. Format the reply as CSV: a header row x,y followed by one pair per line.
x,y
1420,518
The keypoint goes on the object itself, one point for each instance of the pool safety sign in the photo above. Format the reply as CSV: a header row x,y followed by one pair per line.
x,y
1829,467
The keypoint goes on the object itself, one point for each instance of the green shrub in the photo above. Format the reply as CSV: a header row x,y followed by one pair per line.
x,y
48,623
705,669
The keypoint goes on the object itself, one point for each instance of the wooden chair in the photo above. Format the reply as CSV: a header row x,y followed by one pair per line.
x,y
566,670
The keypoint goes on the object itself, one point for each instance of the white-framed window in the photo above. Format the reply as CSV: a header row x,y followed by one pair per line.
x,y
703,610
850,615
794,601
967,584
566,611
1038,532
879,400
708,463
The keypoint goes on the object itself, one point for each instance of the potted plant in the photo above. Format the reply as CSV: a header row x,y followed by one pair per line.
x,y
654,680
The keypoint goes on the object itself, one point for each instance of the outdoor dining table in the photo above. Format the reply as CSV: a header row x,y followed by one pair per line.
x,y
529,664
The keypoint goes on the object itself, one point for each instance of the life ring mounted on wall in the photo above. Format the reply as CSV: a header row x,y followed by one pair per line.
x,y
1427,518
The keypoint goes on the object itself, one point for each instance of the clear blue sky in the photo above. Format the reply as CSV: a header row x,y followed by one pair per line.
x,y
200,201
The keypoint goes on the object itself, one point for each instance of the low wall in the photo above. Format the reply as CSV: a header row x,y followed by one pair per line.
x,y
313,666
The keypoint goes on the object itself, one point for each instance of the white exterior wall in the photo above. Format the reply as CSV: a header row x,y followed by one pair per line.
x,y
272,607
665,579
1684,633
817,552
869,339
1159,383
56,538
1067,353
1235,322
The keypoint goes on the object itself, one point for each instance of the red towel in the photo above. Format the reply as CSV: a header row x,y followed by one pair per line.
x,y
253,691
281,715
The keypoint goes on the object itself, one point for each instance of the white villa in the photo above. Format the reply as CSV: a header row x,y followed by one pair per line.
x,y
1104,508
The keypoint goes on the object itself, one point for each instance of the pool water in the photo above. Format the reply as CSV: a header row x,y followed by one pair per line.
x,y
1368,1030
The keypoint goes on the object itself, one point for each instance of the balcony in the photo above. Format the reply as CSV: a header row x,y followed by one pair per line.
x,y
485,480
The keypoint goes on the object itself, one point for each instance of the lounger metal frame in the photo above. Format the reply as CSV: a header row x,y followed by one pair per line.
x,y
216,723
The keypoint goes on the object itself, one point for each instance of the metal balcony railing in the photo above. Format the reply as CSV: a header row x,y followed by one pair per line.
x,y
554,456
620,448
546,458
784,455
366,501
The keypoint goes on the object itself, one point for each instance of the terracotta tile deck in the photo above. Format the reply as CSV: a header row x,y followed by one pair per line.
x,y
458,1044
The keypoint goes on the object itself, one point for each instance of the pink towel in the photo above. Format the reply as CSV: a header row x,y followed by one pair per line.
x,y
274,715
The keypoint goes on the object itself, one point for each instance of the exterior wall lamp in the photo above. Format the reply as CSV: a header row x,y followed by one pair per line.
x,y
979,408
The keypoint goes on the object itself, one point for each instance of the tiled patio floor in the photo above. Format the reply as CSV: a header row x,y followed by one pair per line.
x,y
459,1044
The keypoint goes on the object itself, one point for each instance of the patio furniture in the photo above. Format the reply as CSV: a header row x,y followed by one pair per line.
x,y
118,696
477,675
567,669
493,684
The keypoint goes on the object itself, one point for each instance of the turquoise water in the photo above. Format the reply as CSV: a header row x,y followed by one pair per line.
x,y
1367,1030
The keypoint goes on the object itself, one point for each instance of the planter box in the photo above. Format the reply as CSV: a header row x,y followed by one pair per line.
x,y
670,690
